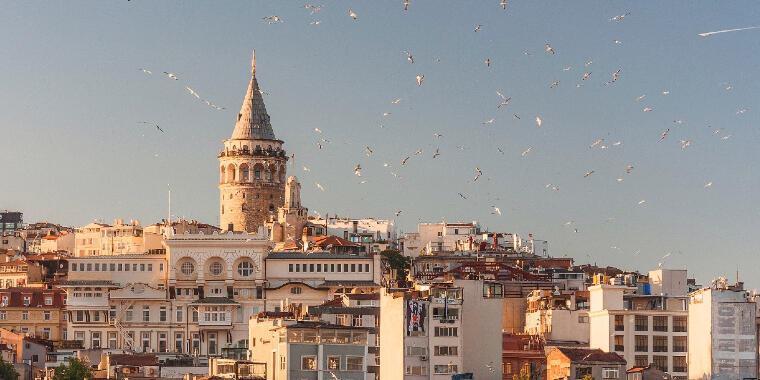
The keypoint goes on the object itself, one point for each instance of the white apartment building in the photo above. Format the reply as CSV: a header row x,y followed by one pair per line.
x,y
558,316
644,327
436,237
723,334
444,330
97,239
299,280
354,229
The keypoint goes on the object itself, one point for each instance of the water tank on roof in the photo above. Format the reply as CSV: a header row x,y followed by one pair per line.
x,y
647,289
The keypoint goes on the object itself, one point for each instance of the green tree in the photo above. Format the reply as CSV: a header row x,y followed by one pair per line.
x,y
76,370
7,372
398,262
524,375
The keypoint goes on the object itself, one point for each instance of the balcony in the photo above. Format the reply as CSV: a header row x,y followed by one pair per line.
x,y
619,347
679,369
660,349
254,153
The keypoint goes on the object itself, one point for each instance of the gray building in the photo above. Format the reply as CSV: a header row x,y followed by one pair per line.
x,y
311,350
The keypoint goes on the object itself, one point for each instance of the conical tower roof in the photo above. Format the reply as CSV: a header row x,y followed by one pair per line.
x,y
253,120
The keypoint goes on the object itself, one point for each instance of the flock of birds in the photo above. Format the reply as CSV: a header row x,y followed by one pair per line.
x,y
503,103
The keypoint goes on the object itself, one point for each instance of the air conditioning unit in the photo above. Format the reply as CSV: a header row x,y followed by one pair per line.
x,y
423,358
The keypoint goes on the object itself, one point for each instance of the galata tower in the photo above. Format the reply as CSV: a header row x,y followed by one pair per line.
x,y
251,167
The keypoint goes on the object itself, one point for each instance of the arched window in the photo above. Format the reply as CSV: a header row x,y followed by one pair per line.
x,y
245,268
221,176
231,173
269,175
257,173
244,173
222,209
245,149
187,268
216,268
271,207
244,208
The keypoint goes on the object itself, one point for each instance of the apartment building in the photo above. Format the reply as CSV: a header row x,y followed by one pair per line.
x,y
356,310
36,312
558,316
444,329
646,324
437,237
576,363
723,341
311,350
300,280
20,273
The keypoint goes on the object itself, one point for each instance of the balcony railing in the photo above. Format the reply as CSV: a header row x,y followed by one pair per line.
x,y
620,348
660,349
679,369
641,348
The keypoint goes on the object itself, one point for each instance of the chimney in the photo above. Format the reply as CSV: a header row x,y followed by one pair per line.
x,y
305,240
496,242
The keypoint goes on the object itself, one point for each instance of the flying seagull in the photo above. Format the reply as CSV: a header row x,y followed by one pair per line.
x,y
419,79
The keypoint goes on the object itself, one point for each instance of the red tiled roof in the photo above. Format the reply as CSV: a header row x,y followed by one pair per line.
x,y
133,359
324,241
590,355
16,297
15,262
335,302
364,296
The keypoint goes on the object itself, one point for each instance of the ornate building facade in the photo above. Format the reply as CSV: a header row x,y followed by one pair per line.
x,y
251,167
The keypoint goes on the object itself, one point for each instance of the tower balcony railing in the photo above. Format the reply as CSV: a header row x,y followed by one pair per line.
x,y
254,153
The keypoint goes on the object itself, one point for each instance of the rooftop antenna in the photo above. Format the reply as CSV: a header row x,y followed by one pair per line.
x,y
169,217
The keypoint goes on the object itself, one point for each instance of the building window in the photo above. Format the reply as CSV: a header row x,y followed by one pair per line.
x,y
283,362
660,343
660,362
178,342
295,290
619,326
445,350
196,345
25,315
142,267
581,372
679,344
641,360
416,351
145,341
3,315
96,340
415,370
128,314
445,331
354,363
162,344
308,363
642,343
216,268
445,369
245,268
679,324
112,340
333,363
341,319
660,323
146,313
46,332
162,314
27,300
679,364
290,267
179,314
619,343
642,323
610,373
48,301
187,268
356,320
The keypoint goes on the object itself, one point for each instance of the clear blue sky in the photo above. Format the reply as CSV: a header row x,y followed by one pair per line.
x,y
72,96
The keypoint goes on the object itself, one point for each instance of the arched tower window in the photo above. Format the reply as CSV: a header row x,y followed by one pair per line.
x,y
244,208
271,207
257,173
231,173
269,175
244,172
